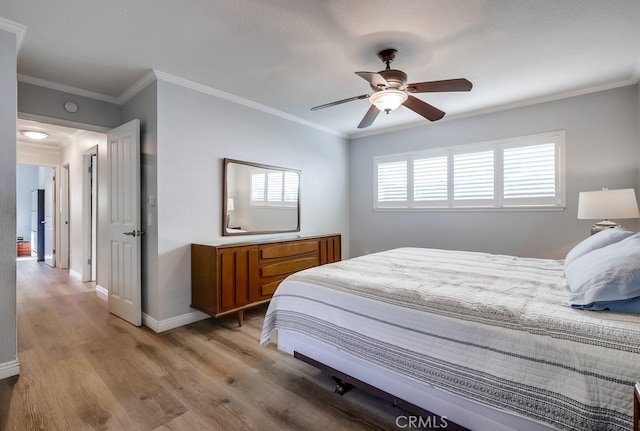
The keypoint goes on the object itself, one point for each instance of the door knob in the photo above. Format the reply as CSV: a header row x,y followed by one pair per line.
x,y
134,233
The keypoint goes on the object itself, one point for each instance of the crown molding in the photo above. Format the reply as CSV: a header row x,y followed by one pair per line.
x,y
13,27
241,101
66,88
147,79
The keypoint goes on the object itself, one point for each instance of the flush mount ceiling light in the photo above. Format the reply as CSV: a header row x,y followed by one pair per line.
x,y
34,134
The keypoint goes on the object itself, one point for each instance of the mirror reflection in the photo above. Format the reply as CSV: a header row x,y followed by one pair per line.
x,y
260,198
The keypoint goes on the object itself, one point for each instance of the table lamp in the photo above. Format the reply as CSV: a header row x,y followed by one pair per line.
x,y
607,204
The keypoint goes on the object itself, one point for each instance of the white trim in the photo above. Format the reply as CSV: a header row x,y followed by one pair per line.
x,y
66,88
173,322
60,122
88,218
13,27
102,292
473,209
75,274
162,76
9,369
147,79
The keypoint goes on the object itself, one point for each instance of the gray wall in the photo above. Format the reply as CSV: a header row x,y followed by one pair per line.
x,y
8,90
185,134
46,102
602,149
195,132
143,106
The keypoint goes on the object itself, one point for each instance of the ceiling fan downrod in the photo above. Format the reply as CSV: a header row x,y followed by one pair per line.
x,y
387,56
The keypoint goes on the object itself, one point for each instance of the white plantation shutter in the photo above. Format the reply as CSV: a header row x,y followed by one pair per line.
x,y
525,171
430,179
392,181
258,188
271,188
274,187
291,180
530,173
473,176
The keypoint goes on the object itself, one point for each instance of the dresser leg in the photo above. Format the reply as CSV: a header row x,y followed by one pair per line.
x,y
240,317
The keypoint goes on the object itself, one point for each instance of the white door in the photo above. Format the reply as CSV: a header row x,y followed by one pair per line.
x,y
63,252
49,217
123,209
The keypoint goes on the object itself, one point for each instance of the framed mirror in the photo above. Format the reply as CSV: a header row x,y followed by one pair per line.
x,y
259,199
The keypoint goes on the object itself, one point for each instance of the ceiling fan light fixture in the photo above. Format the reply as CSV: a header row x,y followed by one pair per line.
x,y
34,134
388,100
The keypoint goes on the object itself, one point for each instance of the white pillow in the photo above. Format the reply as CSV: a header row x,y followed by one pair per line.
x,y
610,273
596,241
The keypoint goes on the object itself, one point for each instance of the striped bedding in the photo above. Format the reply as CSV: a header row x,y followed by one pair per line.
x,y
491,328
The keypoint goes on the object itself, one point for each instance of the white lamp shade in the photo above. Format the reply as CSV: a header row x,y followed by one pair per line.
x,y
608,204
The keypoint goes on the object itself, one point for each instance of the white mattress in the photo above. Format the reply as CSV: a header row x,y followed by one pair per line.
x,y
494,329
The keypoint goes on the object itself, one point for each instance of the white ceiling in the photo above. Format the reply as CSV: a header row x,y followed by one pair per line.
x,y
291,55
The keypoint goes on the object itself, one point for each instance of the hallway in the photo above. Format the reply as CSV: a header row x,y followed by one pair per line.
x,y
84,369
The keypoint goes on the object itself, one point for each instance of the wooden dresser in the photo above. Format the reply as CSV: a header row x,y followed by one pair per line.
x,y
228,278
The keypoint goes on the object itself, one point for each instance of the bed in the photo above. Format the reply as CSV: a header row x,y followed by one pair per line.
x,y
483,341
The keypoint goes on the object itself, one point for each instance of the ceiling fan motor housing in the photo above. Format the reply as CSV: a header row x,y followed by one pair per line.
x,y
396,79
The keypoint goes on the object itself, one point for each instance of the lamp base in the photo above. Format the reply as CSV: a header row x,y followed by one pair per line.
x,y
602,225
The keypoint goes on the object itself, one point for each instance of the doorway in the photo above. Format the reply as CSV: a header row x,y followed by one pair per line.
x,y
75,186
99,202
90,214
35,212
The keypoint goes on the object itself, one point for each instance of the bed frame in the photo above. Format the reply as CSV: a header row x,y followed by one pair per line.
x,y
345,382
636,407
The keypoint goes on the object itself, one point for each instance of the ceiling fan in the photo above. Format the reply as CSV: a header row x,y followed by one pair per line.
x,y
391,90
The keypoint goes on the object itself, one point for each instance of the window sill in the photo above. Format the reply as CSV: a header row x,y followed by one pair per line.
x,y
471,209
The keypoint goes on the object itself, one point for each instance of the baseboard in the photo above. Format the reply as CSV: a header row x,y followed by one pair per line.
x,y
9,369
102,292
173,322
75,274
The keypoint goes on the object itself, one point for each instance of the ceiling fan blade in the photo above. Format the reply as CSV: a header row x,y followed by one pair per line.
x,y
369,117
374,78
338,102
460,84
429,112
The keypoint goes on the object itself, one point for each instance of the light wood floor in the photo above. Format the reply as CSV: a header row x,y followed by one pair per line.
x,y
84,369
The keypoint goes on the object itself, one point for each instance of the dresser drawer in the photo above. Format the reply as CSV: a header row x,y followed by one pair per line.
x,y
227,278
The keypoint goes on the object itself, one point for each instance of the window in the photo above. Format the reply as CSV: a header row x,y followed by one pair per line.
x,y
274,188
392,181
473,176
430,179
518,172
